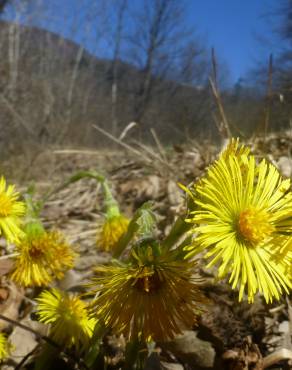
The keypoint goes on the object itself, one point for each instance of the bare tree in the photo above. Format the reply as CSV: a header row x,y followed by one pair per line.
x,y
285,55
118,34
157,46
45,71
112,62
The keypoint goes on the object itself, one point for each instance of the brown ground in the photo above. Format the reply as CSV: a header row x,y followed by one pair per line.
x,y
230,335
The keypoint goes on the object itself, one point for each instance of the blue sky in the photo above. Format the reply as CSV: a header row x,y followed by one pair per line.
x,y
235,28
232,27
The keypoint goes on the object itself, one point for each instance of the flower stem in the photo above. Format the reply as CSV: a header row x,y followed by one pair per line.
x,y
179,228
78,176
111,205
135,356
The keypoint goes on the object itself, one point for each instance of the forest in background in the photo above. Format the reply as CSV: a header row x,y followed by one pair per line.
x,y
156,75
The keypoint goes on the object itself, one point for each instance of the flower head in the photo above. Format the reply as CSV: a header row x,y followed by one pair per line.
x,y
244,219
43,256
67,314
4,347
112,230
11,211
153,296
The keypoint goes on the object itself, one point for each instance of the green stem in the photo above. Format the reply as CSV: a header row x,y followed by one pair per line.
x,y
179,228
111,205
141,224
123,242
95,357
135,356
32,209
78,176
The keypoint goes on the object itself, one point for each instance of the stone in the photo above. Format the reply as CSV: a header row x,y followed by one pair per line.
x,y
89,261
284,327
188,348
285,166
175,195
171,366
153,362
23,341
70,280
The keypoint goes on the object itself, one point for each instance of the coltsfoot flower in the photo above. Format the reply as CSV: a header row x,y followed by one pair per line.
x,y
5,347
152,297
11,211
111,231
43,256
243,220
68,317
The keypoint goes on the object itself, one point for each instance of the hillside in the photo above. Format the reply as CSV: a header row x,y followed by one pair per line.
x,y
52,91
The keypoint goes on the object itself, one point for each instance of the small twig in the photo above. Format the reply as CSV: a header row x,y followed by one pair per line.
x,y
277,309
214,68
45,339
77,151
126,146
27,328
274,358
290,320
217,122
268,97
158,144
73,179
6,256
126,130
26,357
26,299
154,155
263,125
18,116
224,126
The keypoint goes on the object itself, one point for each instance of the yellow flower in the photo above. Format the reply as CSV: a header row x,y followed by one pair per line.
x,y
112,230
43,256
154,296
4,347
244,219
11,211
68,316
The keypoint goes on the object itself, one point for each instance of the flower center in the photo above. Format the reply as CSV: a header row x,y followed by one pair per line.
x,y
5,205
72,309
36,252
148,281
36,249
254,225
